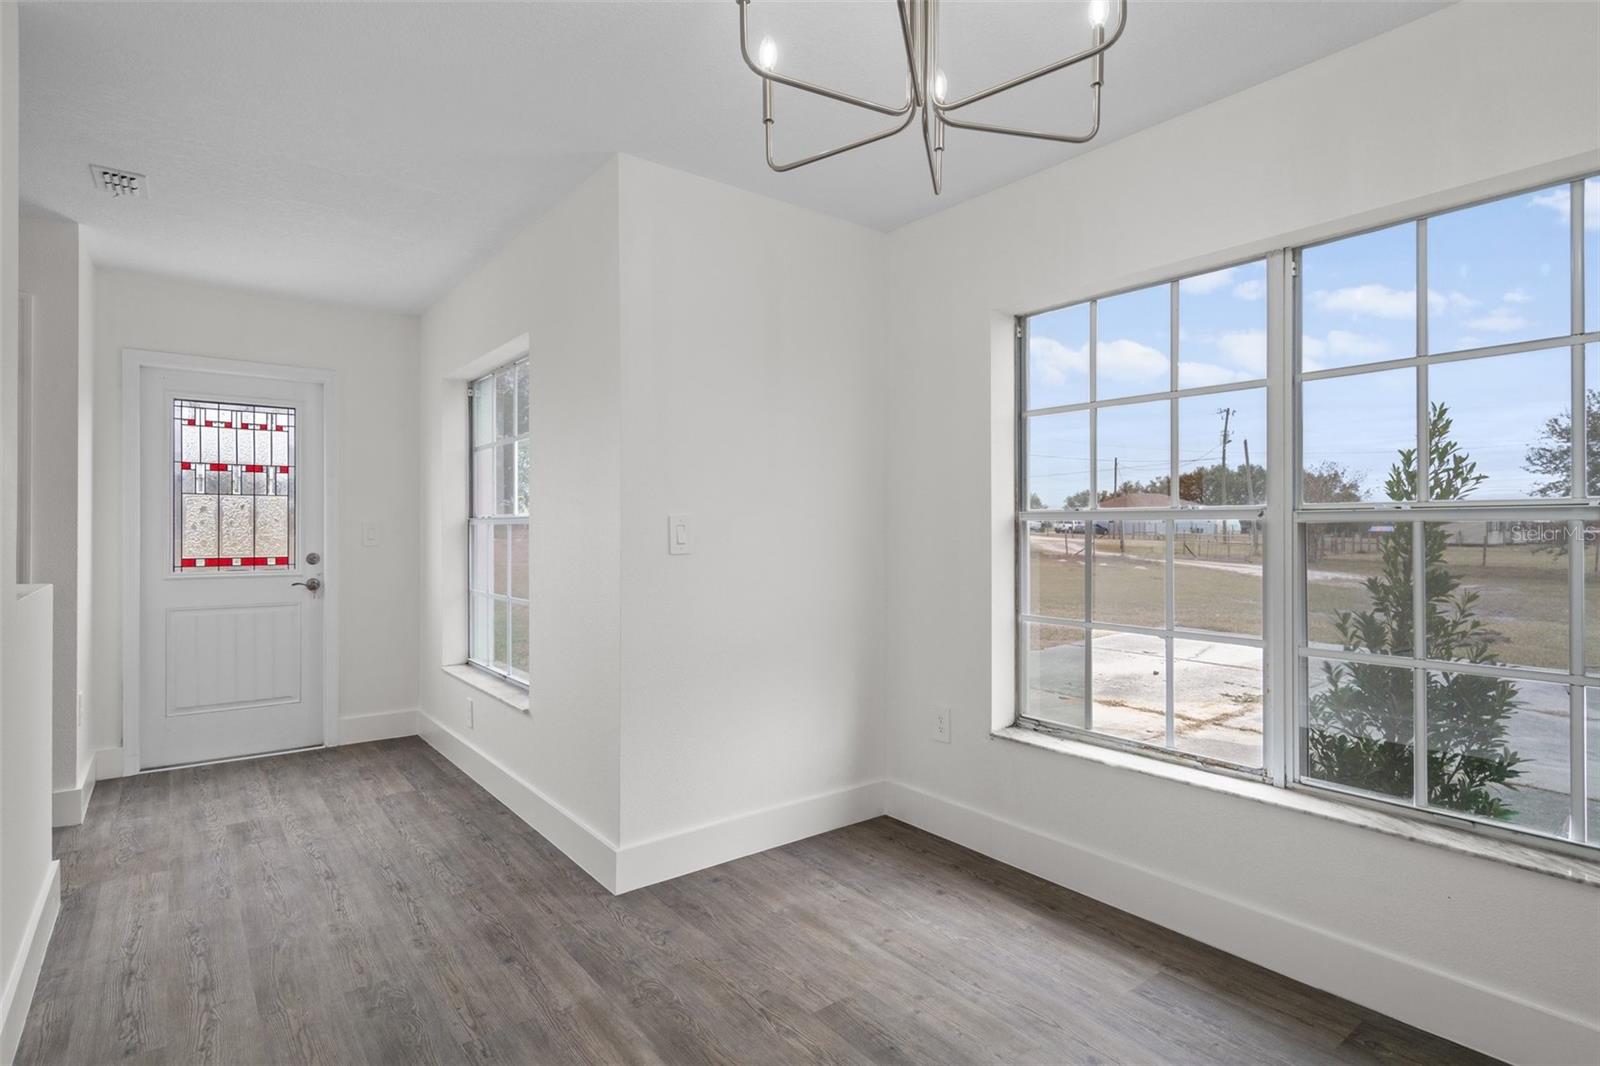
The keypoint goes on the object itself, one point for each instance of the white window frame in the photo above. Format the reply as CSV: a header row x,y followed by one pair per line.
x,y
475,521
1286,648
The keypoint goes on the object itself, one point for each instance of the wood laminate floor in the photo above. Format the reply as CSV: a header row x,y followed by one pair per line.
x,y
371,905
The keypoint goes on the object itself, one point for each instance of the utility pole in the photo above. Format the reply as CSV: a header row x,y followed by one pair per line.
x,y
1227,414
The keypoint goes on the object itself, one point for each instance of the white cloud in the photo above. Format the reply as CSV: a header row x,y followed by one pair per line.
x,y
1128,360
1343,347
1468,341
1517,296
1205,284
1254,289
1440,302
1500,320
1246,349
1560,201
1379,301
1199,375
1054,362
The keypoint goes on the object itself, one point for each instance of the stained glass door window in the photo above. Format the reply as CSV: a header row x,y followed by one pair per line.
x,y
233,470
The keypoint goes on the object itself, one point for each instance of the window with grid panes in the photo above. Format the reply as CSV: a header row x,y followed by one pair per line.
x,y
498,556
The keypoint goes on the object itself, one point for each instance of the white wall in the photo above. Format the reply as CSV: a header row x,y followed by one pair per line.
x,y
556,284
1477,98
29,888
375,357
52,269
752,400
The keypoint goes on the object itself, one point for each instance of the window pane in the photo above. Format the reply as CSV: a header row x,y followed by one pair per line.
x,y
522,477
1359,299
1592,747
272,525
1222,327
1217,701
238,526
1135,461
522,396
519,561
1130,686
1498,592
505,401
1130,568
1354,432
1054,673
483,498
483,410
1500,272
1591,596
1217,576
1056,570
1591,416
1509,416
1498,748
519,641
199,527
481,630
502,635
1591,258
482,570
1133,343
502,560
1222,448
1359,729
1358,586
1058,357
505,478
1058,460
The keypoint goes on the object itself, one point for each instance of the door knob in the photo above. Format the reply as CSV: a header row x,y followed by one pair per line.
x,y
311,584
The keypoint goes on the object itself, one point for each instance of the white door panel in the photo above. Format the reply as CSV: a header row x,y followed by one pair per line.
x,y
230,513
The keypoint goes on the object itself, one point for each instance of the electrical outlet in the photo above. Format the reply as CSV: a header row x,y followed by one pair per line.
x,y
941,724
472,722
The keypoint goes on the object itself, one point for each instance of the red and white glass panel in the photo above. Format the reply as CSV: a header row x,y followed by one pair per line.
x,y
233,486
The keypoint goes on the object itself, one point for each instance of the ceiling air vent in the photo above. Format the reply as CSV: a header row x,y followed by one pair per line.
x,y
117,182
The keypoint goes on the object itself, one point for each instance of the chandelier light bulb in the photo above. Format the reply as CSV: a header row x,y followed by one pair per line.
x,y
767,54
1099,11
939,86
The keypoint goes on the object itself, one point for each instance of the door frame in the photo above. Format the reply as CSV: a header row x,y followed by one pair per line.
x,y
134,362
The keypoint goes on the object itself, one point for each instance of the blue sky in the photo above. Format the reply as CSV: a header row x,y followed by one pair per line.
x,y
1497,273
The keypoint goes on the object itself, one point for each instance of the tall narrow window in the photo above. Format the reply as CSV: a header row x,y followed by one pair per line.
x,y
1143,483
497,627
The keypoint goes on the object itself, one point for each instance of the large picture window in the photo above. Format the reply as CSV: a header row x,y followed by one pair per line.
x,y
498,556
1409,564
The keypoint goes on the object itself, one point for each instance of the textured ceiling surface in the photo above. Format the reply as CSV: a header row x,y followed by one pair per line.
x,y
372,153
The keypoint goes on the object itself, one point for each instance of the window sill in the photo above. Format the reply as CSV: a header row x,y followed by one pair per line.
x,y
513,696
1460,840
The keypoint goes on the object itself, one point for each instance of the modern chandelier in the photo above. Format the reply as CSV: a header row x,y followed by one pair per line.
x,y
926,84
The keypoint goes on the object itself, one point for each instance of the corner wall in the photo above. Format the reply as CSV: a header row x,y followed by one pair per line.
x,y
375,356
752,400
54,269
556,762
1503,960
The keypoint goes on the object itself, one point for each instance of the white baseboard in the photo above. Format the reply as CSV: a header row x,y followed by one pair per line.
x,y
581,843
69,805
1415,993
108,764
378,725
17,995
675,854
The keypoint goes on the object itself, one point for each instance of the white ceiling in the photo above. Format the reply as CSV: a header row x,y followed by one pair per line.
x,y
371,153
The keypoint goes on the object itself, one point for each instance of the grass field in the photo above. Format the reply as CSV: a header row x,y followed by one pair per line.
x,y
1522,591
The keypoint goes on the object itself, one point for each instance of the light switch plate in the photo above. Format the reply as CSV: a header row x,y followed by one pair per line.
x,y
678,534
369,534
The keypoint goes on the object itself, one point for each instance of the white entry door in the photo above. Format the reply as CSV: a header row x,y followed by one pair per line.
x,y
230,549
